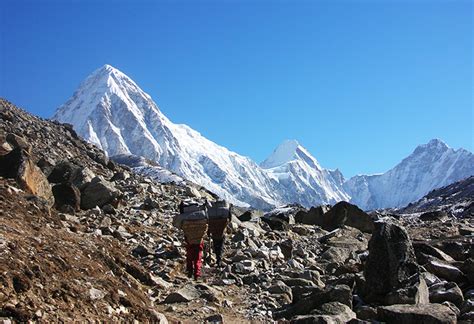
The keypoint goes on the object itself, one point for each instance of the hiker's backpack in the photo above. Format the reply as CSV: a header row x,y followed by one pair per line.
x,y
190,210
219,210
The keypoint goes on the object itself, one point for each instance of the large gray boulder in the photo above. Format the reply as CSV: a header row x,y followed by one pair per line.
x,y
314,216
98,192
304,306
342,213
391,263
415,314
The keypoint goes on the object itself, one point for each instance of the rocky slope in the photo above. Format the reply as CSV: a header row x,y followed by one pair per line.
x,y
430,166
457,199
83,238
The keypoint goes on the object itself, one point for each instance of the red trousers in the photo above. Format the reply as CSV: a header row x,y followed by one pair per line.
x,y
194,259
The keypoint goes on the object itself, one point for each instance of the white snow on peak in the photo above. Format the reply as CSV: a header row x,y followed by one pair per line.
x,y
285,152
301,178
430,166
111,111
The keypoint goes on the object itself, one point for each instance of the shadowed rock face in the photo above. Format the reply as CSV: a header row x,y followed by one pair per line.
x,y
18,165
342,213
391,260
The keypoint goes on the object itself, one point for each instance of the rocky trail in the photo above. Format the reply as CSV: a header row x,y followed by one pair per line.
x,y
85,239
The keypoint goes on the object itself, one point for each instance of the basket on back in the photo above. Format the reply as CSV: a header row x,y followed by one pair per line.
x,y
192,220
219,216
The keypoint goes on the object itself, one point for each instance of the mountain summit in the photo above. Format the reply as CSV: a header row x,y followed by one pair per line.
x,y
111,111
302,178
430,166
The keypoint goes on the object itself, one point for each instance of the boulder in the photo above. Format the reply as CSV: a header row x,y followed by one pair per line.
x,y
468,269
279,218
250,215
415,292
67,195
98,192
444,270
414,314
391,261
339,293
446,291
183,295
438,215
344,213
312,217
68,172
18,165
281,288
423,248
329,313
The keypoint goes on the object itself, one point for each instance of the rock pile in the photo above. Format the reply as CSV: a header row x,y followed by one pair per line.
x,y
84,238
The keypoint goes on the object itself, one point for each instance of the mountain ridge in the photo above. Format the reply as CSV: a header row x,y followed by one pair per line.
x,y
113,112
122,119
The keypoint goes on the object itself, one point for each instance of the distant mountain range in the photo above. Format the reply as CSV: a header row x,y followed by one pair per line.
x,y
111,111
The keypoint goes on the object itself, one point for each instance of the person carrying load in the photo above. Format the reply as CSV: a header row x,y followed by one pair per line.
x,y
193,221
219,216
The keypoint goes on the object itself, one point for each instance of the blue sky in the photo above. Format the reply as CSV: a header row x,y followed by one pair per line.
x,y
358,83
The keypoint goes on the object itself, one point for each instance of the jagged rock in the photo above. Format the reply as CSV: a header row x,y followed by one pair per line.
x,y
150,204
70,173
18,165
458,250
468,269
344,213
243,267
416,292
467,309
67,194
366,312
429,313
216,318
312,217
298,282
446,291
122,175
142,250
17,141
423,249
280,218
250,215
95,294
340,293
281,288
391,261
444,270
438,215
209,293
98,192
183,295
329,313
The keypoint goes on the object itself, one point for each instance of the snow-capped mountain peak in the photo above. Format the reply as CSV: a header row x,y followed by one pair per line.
x,y
288,151
110,110
433,145
430,166
284,153
302,179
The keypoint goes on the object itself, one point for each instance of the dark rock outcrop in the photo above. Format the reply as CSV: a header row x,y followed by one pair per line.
x,y
391,262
